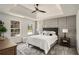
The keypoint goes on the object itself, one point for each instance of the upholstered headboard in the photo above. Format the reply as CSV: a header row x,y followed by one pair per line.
x,y
51,29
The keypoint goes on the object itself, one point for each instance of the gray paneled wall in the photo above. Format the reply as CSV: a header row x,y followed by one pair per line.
x,y
64,22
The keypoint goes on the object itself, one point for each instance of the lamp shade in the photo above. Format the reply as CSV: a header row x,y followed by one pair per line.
x,y
65,30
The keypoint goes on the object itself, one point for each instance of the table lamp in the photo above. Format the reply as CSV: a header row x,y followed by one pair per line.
x,y
65,31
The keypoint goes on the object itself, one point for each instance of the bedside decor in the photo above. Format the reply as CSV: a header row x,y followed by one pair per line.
x,y
65,41
65,31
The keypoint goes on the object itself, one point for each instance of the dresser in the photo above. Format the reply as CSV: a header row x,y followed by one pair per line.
x,y
7,47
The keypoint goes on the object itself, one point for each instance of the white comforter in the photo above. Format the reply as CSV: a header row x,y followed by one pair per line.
x,y
42,41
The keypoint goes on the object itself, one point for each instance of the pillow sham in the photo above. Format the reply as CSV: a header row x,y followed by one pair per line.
x,y
50,33
44,33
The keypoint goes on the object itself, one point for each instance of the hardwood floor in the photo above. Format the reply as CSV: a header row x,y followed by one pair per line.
x,y
62,50
22,49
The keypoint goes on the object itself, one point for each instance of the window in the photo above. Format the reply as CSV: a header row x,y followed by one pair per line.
x,y
15,28
30,29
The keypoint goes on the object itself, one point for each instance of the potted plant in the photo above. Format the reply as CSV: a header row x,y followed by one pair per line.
x,y
2,30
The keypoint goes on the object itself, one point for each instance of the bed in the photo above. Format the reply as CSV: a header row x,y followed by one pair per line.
x,y
43,41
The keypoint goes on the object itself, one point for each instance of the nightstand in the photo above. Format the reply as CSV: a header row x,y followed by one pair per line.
x,y
65,41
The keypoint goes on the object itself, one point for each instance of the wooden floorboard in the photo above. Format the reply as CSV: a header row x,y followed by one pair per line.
x,y
55,50
62,50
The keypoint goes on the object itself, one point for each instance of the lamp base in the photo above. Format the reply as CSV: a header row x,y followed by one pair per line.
x,y
64,35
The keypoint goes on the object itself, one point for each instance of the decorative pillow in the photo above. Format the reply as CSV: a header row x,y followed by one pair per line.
x,y
44,33
50,33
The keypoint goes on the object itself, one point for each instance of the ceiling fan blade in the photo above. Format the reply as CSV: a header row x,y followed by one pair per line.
x,y
42,11
36,8
34,11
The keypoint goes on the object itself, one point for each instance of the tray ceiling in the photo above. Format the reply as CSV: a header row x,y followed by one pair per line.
x,y
52,10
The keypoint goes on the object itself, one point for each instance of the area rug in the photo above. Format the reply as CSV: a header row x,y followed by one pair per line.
x,y
24,49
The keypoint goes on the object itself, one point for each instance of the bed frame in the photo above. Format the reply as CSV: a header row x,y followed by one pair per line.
x,y
51,29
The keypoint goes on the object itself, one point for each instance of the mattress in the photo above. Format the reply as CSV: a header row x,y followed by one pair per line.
x,y
42,41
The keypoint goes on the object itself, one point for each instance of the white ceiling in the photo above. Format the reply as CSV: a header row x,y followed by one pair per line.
x,y
52,10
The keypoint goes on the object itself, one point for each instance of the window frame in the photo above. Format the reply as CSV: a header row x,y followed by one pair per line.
x,y
16,30
30,25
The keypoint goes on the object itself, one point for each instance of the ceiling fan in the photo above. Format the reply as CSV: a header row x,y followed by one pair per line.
x,y
36,9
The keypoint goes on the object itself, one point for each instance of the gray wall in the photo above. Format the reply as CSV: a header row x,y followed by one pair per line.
x,y
64,22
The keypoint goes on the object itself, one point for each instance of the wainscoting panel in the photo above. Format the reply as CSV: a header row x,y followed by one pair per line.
x,y
64,22
51,23
71,21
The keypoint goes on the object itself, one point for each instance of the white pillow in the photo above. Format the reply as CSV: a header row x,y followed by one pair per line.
x,y
50,33
44,33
